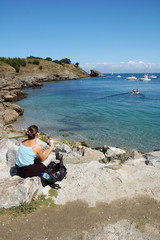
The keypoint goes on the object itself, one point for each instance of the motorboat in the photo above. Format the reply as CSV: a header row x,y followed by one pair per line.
x,y
131,78
153,76
119,76
145,78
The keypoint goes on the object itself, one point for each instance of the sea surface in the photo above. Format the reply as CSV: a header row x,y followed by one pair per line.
x,y
101,111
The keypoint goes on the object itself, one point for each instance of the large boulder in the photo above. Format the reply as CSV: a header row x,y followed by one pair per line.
x,y
11,156
16,190
15,107
10,116
5,145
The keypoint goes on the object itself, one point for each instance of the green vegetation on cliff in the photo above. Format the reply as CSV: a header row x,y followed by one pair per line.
x,y
36,64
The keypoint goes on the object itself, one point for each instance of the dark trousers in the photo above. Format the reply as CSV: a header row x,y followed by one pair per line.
x,y
32,170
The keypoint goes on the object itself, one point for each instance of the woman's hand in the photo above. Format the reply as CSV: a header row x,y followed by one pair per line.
x,y
51,147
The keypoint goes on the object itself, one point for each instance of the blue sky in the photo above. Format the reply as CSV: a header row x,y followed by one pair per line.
x,y
105,34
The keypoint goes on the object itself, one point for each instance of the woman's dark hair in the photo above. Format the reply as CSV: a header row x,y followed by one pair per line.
x,y
32,131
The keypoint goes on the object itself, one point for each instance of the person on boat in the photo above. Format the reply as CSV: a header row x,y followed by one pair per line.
x,y
134,91
31,155
137,91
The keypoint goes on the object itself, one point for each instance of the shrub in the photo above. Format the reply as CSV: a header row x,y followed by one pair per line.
x,y
14,62
57,61
48,59
76,64
66,60
32,57
36,62
40,67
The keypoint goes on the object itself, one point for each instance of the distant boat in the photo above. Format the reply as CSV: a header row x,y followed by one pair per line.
x,y
153,76
119,76
131,78
135,91
145,78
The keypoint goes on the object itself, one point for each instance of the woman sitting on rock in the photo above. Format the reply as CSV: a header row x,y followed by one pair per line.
x,y
31,155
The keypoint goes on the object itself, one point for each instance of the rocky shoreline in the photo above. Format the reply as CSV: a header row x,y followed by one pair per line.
x,y
93,176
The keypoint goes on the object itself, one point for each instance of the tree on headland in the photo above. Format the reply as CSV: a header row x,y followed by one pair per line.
x,y
62,61
76,64
34,57
66,60
57,61
48,59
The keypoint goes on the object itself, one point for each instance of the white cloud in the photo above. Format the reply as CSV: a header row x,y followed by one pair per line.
x,y
123,67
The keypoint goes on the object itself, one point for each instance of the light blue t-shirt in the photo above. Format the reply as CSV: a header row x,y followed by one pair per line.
x,y
25,156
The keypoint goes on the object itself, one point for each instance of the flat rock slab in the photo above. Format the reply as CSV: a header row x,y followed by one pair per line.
x,y
93,182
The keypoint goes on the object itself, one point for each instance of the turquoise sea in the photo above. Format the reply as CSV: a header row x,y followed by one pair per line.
x,y
101,111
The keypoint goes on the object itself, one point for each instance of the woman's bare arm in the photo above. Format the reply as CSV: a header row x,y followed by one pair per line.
x,y
43,155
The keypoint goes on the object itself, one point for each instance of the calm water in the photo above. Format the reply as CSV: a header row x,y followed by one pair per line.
x,y
98,110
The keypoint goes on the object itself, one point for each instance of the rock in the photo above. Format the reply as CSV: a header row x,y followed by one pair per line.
x,y
11,156
4,172
63,148
16,190
153,161
153,158
112,154
86,155
93,182
112,151
95,73
15,107
5,145
10,116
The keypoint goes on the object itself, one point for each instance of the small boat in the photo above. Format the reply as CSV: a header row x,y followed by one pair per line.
x,y
153,76
145,78
135,91
131,78
119,76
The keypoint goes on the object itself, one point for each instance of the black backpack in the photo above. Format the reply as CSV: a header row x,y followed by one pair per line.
x,y
57,172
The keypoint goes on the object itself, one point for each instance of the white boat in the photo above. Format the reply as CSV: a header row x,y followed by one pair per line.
x,y
145,78
153,76
131,78
119,76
